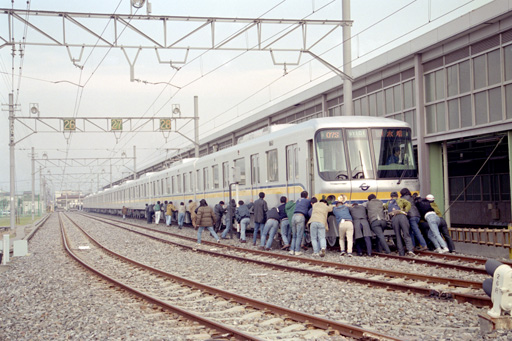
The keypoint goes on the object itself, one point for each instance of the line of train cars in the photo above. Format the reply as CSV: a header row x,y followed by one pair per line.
x,y
353,155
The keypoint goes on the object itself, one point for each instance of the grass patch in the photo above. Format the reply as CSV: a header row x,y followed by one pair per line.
x,y
6,221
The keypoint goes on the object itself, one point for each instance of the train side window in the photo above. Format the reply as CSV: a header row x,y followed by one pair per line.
x,y
198,180
225,174
255,169
173,184
292,162
330,154
206,178
178,180
272,166
186,182
240,165
191,179
215,175
361,165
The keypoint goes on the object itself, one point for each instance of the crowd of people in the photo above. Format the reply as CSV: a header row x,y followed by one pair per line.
x,y
417,222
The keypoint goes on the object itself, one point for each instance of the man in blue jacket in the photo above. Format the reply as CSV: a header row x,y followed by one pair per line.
x,y
302,207
243,216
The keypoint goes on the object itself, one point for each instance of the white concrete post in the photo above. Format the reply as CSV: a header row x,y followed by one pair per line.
x,y
6,249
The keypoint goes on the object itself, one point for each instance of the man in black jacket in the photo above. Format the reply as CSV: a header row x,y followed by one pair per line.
x,y
219,210
260,216
377,220
230,218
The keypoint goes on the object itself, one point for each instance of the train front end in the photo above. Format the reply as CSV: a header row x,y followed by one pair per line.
x,y
364,157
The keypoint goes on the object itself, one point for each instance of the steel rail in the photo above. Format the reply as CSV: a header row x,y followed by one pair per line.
x,y
376,271
318,322
208,323
479,301
435,263
464,258
39,225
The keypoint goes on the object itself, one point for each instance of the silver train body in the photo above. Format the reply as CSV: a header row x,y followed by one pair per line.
x,y
354,156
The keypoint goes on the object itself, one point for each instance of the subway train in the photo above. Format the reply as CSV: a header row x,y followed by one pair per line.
x,y
351,155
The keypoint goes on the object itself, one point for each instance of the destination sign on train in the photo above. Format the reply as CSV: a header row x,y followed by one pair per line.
x,y
330,134
394,133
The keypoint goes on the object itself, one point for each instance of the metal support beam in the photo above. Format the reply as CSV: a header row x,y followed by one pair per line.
x,y
347,59
446,185
436,173
33,182
137,25
85,23
11,161
420,128
196,126
134,163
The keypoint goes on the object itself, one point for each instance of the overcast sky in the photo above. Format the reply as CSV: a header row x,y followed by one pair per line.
x,y
230,85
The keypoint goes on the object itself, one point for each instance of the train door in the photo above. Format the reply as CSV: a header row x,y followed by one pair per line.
x,y
310,169
225,180
292,172
362,170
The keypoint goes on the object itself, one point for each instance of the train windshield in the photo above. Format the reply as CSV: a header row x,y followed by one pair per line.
x,y
394,153
330,151
359,154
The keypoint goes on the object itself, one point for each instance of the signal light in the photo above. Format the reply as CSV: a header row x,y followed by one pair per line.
x,y
499,288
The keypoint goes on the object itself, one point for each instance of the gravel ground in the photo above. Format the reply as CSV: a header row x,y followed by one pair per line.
x,y
47,296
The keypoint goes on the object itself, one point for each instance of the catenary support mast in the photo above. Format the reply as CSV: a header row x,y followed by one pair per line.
x,y
11,161
347,59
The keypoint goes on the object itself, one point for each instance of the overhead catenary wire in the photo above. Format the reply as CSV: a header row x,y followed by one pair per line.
x,y
234,58
305,63
80,89
298,67
329,72
241,115
190,83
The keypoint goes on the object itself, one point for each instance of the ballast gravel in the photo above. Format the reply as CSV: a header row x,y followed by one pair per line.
x,y
48,296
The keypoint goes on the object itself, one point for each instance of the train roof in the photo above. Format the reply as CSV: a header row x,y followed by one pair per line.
x,y
313,125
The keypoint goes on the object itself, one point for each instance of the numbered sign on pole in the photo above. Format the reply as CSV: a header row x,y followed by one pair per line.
x,y
116,124
69,124
165,124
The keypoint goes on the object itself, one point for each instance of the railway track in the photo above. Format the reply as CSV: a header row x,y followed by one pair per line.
x,y
438,287
224,314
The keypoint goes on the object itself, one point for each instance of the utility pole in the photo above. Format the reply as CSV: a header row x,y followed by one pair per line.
x,y
196,126
347,59
134,164
11,161
33,182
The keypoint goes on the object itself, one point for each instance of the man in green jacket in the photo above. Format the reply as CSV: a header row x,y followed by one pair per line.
x,y
397,210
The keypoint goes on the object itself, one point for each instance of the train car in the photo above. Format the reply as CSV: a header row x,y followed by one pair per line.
x,y
351,155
